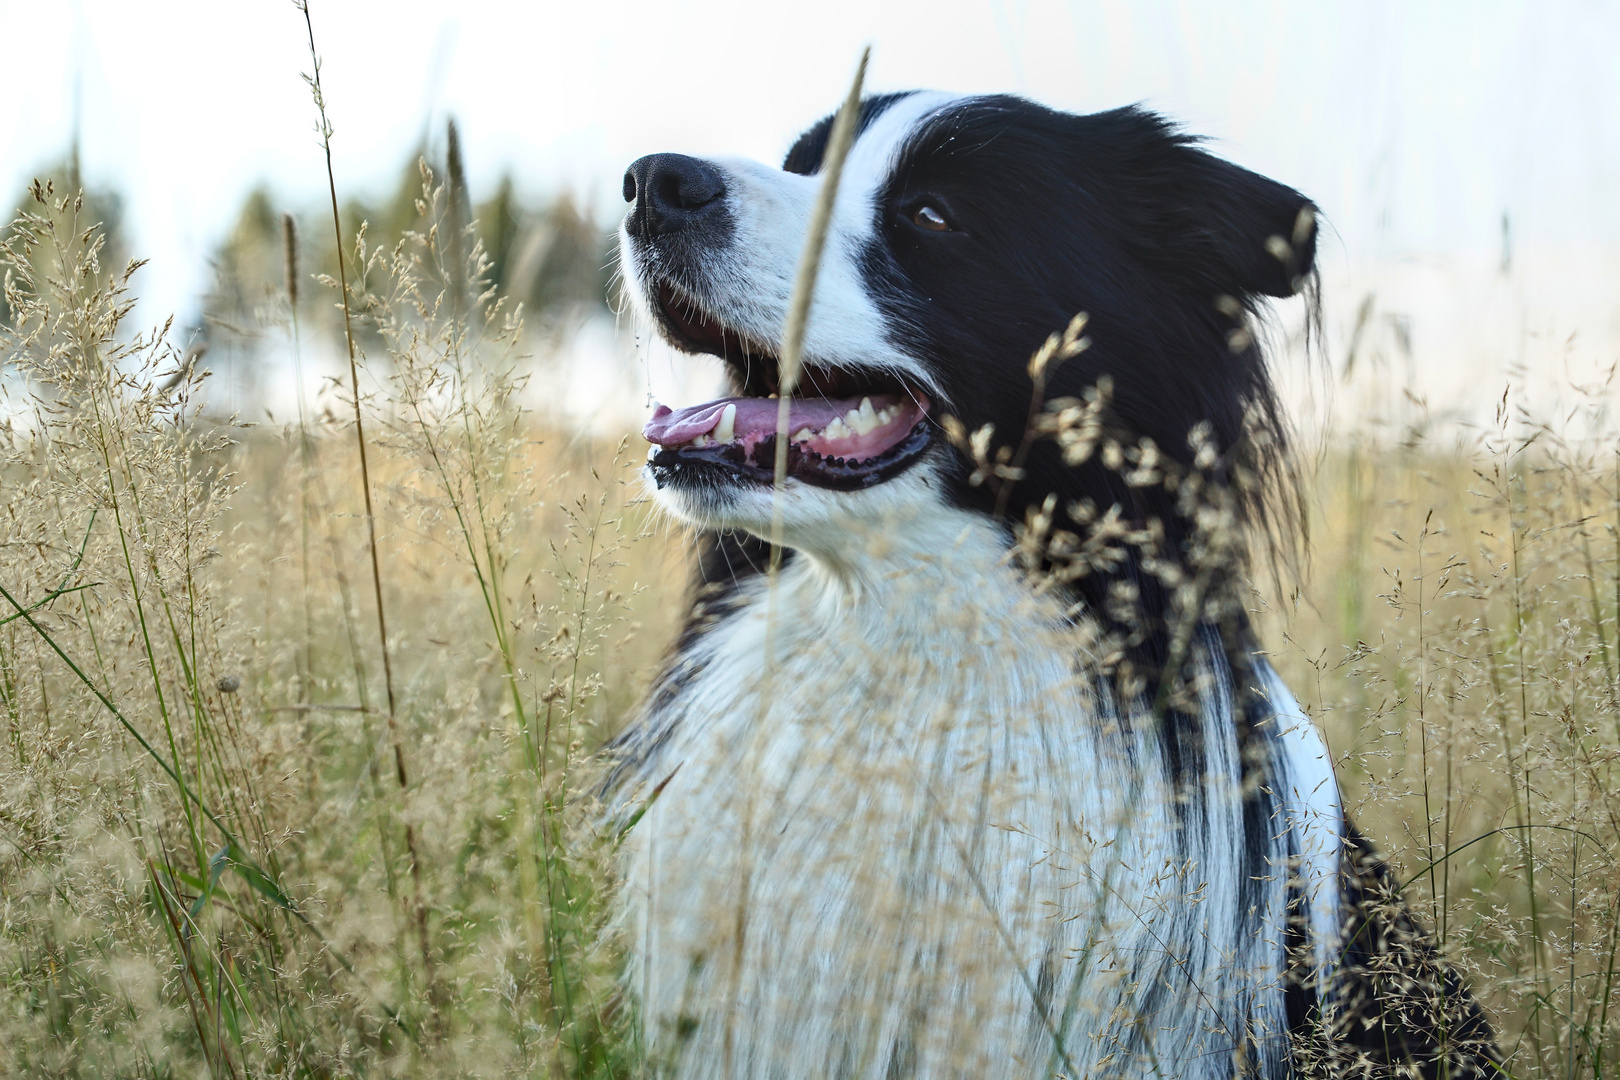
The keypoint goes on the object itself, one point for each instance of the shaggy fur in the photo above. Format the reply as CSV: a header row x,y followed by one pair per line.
x,y
993,781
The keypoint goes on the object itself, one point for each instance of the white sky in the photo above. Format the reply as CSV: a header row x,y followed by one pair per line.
x,y
1414,126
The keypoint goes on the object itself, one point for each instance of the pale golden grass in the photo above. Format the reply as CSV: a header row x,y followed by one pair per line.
x,y
1457,642
234,897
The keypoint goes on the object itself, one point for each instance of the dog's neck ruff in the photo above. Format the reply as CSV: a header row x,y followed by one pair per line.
x,y
905,830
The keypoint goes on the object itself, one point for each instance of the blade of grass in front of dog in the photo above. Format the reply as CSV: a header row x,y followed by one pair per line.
x,y
804,287
798,316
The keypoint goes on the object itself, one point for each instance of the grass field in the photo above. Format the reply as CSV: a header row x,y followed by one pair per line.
x,y
283,794
1456,641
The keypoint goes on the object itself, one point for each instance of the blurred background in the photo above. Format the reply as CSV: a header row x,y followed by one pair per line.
x,y
1464,155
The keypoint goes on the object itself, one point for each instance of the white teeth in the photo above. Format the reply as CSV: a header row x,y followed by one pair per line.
x,y
863,419
726,429
702,440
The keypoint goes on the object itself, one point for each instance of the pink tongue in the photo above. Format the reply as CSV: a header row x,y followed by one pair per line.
x,y
755,417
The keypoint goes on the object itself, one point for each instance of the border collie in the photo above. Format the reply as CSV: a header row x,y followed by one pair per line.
x,y
990,778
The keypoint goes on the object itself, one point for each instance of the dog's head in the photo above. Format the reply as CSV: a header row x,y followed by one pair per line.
x,y
966,230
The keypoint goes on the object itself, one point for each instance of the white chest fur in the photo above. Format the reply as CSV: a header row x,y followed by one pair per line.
x,y
904,834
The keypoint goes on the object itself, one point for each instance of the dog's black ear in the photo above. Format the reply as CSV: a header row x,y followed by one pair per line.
x,y
1247,233
1217,227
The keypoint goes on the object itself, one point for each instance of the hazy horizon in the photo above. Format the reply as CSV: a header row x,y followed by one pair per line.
x,y
1464,156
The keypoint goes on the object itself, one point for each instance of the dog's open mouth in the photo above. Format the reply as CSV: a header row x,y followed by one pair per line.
x,y
846,429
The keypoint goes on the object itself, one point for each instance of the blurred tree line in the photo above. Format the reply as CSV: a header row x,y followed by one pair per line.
x,y
549,254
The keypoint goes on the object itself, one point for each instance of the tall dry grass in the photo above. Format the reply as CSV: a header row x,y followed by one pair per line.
x,y
207,816
1457,641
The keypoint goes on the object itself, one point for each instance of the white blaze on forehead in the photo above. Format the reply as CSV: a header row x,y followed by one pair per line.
x,y
846,324
873,158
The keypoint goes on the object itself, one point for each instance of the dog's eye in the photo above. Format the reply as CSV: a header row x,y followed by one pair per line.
x,y
926,217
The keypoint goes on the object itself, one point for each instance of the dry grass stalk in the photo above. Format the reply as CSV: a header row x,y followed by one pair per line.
x,y
419,907
804,282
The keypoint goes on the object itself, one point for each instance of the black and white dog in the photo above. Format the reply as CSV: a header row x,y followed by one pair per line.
x,y
968,792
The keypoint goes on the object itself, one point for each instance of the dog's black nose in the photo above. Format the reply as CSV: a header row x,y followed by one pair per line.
x,y
669,190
